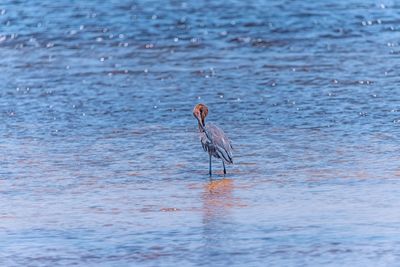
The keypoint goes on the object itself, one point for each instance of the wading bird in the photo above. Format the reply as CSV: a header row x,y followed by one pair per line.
x,y
213,139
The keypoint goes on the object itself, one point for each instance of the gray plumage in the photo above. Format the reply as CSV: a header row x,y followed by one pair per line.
x,y
213,139
216,143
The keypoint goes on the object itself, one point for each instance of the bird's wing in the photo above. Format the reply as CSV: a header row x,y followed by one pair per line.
x,y
220,141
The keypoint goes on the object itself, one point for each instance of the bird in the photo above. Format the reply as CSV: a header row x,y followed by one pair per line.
x,y
212,138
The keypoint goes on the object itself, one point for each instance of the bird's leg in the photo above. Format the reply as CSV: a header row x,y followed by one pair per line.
x,y
223,164
210,164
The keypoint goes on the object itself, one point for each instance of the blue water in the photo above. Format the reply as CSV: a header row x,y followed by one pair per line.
x,y
101,164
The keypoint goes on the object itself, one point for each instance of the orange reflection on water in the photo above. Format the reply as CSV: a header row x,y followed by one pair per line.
x,y
218,198
218,203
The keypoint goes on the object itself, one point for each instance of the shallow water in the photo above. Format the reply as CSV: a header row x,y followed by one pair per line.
x,y
101,163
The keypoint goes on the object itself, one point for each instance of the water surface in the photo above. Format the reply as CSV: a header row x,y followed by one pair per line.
x,y
101,163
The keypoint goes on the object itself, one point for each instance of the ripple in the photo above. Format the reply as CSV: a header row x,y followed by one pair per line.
x,y
101,162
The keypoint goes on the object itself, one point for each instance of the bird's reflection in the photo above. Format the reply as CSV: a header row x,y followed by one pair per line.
x,y
218,202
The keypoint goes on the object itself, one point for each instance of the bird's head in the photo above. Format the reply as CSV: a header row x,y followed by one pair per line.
x,y
200,112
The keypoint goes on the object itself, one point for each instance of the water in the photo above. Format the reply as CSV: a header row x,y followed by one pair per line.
x,y
101,163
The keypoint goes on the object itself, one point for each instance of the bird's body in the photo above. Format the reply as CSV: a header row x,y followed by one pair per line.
x,y
216,143
213,139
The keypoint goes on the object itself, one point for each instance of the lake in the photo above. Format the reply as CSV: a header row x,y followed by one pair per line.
x,y
101,162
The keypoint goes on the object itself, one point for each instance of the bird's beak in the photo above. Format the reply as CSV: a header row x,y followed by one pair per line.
x,y
197,116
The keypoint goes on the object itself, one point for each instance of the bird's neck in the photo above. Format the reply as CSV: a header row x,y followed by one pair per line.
x,y
201,128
